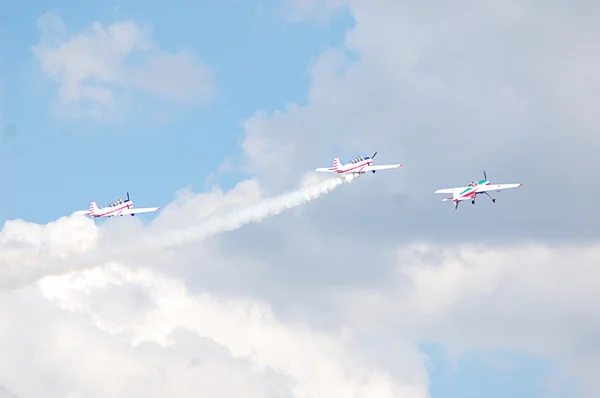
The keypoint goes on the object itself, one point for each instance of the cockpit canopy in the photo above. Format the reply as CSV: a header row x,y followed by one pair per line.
x,y
357,159
473,184
115,203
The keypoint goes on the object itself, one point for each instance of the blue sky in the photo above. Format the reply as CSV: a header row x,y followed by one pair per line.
x,y
493,374
257,61
52,166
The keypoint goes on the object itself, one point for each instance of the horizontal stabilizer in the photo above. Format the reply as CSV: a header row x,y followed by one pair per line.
x,y
81,212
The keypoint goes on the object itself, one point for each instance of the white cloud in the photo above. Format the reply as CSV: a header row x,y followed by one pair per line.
x,y
337,296
142,332
59,352
97,69
315,364
28,247
283,308
534,299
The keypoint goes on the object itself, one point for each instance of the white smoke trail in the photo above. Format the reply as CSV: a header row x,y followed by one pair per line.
x,y
237,219
109,250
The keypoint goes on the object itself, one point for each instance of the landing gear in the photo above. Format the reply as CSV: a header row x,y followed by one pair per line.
x,y
373,171
493,200
132,215
473,202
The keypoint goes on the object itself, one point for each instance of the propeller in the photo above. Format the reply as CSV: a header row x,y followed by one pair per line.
x,y
372,157
484,175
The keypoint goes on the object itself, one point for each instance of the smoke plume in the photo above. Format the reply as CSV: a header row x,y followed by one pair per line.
x,y
34,264
256,213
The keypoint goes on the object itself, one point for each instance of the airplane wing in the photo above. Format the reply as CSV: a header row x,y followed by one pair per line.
x,y
140,210
450,190
382,167
497,187
325,169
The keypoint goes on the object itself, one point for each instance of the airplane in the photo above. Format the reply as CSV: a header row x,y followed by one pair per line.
x,y
115,208
475,188
357,166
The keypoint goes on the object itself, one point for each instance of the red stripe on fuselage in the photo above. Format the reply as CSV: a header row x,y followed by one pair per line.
x,y
361,166
127,206
471,194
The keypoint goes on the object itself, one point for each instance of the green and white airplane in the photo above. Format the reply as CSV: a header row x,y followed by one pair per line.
x,y
475,188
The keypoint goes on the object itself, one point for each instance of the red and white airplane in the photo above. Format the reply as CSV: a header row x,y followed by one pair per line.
x,y
475,188
357,166
116,208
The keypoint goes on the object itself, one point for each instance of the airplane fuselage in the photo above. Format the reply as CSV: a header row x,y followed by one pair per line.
x,y
112,211
475,188
355,168
115,208
470,192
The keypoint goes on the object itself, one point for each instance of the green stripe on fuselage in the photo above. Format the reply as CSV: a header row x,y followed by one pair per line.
x,y
469,189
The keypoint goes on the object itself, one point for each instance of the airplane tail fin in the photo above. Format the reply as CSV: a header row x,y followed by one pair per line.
x,y
94,208
336,164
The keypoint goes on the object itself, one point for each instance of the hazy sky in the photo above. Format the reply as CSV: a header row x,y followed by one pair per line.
x,y
259,278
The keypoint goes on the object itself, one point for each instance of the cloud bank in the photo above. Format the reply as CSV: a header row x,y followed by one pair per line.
x,y
192,316
334,298
143,323
100,69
